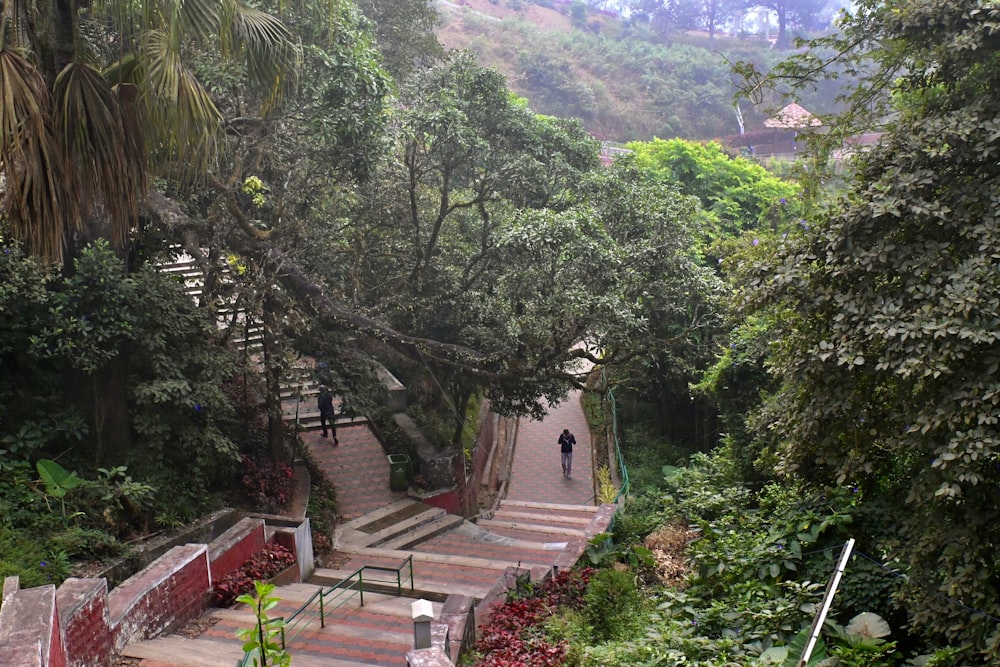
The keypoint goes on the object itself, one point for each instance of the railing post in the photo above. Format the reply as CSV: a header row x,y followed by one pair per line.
x,y
322,618
410,559
361,586
423,614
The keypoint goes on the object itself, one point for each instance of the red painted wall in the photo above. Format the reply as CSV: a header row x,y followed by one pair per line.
x,y
83,623
238,553
168,593
83,611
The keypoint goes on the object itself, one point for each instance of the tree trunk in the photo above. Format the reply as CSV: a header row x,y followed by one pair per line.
x,y
782,41
462,397
272,381
108,411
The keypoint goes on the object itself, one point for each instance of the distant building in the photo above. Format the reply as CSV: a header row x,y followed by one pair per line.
x,y
792,117
780,133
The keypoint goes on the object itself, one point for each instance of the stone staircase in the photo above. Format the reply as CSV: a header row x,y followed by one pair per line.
x,y
450,556
299,387
378,633
444,558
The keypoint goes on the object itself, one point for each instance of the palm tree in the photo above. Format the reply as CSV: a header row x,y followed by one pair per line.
x,y
95,97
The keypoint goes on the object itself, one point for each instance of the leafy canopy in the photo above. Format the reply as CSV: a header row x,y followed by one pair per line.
x,y
885,320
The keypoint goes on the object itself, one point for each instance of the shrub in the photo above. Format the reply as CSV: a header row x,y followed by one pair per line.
x,y
264,564
35,561
87,543
612,601
516,633
268,483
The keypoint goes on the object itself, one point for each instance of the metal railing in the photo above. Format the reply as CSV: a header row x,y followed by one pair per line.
x,y
626,485
327,600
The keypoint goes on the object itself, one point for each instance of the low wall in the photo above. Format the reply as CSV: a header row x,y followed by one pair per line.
x,y
493,440
231,549
35,640
83,624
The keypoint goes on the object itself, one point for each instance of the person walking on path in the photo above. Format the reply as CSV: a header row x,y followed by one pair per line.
x,y
566,442
326,413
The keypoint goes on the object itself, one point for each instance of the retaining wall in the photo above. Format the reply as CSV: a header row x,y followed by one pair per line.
x,y
83,624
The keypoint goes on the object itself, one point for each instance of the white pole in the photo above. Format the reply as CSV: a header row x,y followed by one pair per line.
x,y
817,626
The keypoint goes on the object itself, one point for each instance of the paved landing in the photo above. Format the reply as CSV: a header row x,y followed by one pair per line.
x,y
357,467
536,473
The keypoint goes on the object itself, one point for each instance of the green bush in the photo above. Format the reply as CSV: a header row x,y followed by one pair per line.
x,y
34,560
86,544
613,603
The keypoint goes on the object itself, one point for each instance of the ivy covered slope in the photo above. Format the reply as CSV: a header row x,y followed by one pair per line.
x,y
885,319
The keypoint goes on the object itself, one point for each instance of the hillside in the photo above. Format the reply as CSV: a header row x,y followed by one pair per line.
x,y
623,81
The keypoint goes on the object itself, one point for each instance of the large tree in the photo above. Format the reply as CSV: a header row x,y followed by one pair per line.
x,y
404,33
884,318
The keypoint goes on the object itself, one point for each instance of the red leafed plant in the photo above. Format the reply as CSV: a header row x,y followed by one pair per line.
x,y
263,565
515,633
268,483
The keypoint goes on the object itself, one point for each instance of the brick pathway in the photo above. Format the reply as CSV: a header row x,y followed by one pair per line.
x,y
357,467
536,473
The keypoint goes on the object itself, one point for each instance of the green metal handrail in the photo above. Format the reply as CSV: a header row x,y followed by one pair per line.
x,y
340,593
626,485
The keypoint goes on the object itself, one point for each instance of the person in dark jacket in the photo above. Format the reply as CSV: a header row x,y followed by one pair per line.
x,y
326,412
566,442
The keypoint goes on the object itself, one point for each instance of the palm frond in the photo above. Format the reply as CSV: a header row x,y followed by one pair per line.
x,y
185,125
199,18
271,53
31,161
105,162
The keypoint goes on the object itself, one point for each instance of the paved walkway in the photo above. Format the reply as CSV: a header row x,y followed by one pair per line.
x,y
357,467
536,473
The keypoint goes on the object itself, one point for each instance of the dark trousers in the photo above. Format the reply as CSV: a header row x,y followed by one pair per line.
x,y
325,417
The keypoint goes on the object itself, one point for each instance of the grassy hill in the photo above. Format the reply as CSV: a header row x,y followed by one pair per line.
x,y
624,81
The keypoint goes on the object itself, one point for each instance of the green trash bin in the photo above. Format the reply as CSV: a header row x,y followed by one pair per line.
x,y
399,472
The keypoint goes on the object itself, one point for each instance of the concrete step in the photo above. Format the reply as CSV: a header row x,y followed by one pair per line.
x,y
543,551
400,527
545,529
534,517
554,507
443,559
474,531
410,538
379,633
436,589
402,505
184,652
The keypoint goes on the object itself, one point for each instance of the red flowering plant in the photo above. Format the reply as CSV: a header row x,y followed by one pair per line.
x,y
515,633
263,565
268,483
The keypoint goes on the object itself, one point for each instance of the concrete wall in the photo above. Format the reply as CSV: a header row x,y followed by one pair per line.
x,y
83,613
493,436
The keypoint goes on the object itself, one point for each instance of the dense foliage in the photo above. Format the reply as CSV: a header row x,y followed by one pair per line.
x,y
737,194
884,317
64,330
